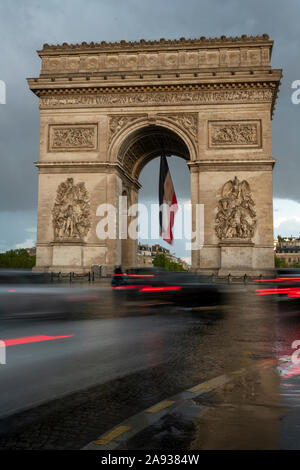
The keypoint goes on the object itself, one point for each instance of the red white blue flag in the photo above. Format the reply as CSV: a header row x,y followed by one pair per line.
x,y
167,201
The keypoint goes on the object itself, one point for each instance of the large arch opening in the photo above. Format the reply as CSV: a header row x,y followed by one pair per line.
x,y
146,143
139,156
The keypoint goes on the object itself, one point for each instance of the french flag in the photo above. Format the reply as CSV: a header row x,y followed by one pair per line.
x,y
167,201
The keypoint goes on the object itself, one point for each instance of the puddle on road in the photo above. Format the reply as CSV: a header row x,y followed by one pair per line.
x,y
244,414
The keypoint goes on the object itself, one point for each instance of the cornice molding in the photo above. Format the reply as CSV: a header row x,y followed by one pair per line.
x,y
232,165
44,90
85,167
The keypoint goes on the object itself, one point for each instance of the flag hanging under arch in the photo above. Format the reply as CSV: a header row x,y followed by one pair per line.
x,y
167,201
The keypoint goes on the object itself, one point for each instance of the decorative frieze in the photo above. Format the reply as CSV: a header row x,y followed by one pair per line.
x,y
143,97
236,216
234,134
72,137
71,211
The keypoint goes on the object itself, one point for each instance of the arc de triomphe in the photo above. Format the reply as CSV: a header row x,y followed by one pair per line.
x,y
106,110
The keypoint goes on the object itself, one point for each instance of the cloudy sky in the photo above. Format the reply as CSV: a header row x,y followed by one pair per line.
x,y
26,24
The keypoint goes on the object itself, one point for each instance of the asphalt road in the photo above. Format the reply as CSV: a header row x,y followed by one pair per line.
x,y
116,360
97,351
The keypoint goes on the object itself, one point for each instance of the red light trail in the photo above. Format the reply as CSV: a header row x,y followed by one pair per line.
x,y
160,289
133,275
278,279
30,339
290,291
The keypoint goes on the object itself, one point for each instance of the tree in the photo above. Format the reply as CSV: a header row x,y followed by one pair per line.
x,y
18,259
161,261
280,263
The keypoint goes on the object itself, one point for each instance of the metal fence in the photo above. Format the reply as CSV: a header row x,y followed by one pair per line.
x,y
96,274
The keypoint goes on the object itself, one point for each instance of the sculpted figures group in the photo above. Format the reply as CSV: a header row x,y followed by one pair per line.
x,y
71,210
235,134
236,216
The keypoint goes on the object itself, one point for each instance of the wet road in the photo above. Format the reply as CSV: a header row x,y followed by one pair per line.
x,y
120,359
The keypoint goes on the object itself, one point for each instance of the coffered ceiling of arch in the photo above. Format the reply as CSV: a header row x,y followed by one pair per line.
x,y
147,143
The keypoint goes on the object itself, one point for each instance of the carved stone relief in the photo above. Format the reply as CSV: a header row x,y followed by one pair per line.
x,y
236,216
75,137
116,123
159,97
71,211
157,60
188,121
234,133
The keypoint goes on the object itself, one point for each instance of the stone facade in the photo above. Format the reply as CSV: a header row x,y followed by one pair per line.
x,y
287,250
106,109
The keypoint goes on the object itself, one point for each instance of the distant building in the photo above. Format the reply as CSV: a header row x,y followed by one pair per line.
x,y
288,250
31,251
145,257
147,253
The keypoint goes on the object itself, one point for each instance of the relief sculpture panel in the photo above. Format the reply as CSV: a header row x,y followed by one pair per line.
x,y
70,138
71,211
236,216
234,134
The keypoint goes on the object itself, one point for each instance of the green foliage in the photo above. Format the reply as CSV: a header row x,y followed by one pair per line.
x,y
161,261
17,259
280,263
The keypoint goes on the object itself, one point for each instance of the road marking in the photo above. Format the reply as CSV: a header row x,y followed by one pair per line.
x,y
209,384
160,406
148,417
106,438
197,388
238,372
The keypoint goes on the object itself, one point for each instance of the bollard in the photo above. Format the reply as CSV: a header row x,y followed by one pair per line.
x,y
93,276
51,276
89,277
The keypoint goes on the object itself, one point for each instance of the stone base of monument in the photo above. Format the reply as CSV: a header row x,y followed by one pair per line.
x,y
241,256
69,255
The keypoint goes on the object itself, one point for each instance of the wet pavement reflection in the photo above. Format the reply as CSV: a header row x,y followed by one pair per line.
x,y
126,356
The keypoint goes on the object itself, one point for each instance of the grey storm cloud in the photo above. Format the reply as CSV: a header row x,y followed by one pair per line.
x,y
26,25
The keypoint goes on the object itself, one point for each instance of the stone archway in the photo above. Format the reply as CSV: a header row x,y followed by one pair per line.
x,y
103,106
136,146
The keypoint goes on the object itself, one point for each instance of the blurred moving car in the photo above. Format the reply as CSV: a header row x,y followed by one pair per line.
x,y
182,288
27,292
284,285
